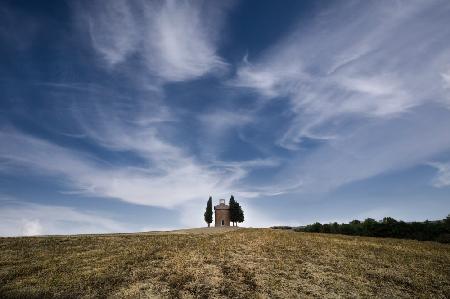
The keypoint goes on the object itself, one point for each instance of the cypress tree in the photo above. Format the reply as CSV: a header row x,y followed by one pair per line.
x,y
240,217
208,213
234,212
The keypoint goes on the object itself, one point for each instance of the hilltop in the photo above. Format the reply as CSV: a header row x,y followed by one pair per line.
x,y
220,263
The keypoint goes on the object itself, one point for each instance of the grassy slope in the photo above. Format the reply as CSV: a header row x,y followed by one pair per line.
x,y
242,263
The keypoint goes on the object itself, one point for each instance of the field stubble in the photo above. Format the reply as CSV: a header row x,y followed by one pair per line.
x,y
221,263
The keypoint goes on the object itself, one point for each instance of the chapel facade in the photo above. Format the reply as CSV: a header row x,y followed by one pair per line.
x,y
222,214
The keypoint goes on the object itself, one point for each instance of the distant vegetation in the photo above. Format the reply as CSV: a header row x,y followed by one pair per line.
x,y
388,227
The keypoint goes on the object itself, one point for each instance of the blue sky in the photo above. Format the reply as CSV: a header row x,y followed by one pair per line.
x,y
126,115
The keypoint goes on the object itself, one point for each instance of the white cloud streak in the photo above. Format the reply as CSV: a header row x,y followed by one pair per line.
x,y
365,78
168,178
384,62
176,40
374,148
112,30
172,180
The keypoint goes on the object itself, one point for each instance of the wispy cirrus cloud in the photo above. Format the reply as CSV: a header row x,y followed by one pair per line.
x,y
112,29
365,79
172,179
166,178
176,40
334,68
373,149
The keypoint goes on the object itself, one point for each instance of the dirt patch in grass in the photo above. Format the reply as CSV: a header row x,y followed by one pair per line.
x,y
222,263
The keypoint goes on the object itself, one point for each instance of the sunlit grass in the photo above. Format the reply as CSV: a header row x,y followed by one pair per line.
x,y
244,263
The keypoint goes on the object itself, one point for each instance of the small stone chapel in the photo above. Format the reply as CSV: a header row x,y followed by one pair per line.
x,y
222,214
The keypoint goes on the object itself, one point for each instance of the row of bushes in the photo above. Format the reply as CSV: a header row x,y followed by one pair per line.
x,y
282,227
388,227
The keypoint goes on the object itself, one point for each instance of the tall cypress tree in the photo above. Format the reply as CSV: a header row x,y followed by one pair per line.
x,y
209,212
234,212
240,217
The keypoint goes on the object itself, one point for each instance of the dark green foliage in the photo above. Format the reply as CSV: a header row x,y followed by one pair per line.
x,y
388,227
209,212
282,227
240,218
334,228
236,212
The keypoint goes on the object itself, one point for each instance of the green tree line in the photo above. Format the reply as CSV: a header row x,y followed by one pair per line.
x,y
388,227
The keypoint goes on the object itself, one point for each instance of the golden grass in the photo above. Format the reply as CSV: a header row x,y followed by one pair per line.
x,y
218,263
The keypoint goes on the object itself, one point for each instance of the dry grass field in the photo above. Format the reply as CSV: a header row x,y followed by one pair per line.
x,y
221,263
